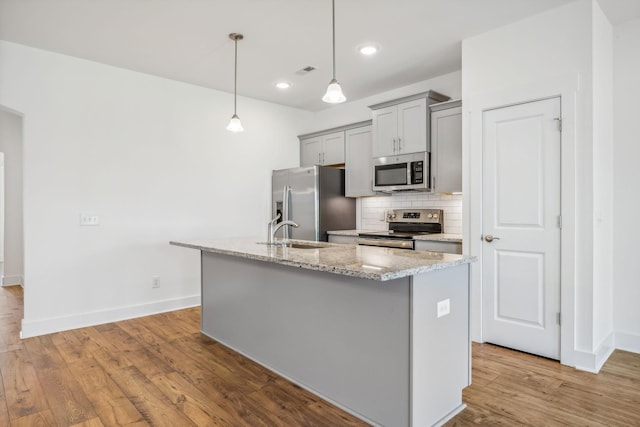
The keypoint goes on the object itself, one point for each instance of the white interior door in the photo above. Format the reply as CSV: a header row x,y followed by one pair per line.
x,y
521,227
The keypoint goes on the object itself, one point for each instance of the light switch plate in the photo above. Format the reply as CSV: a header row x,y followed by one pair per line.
x,y
443,307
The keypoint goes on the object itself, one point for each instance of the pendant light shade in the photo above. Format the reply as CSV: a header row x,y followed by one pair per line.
x,y
234,124
334,93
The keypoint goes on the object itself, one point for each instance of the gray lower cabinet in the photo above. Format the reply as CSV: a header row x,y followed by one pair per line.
x,y
358,167
439,246
446,147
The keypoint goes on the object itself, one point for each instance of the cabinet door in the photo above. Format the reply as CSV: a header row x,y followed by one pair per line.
x,y
446,150
358,167
333,148
412,126
385,131
310,151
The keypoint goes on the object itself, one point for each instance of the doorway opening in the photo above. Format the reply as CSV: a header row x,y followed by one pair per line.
x,y
11,199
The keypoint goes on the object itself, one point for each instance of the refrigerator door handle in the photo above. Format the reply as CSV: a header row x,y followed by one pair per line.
x,y
286,195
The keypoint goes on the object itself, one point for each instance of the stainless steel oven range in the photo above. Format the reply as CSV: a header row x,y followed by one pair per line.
x,y
404,225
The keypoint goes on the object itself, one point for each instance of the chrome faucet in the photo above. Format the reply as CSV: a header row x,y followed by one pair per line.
x,y
272,228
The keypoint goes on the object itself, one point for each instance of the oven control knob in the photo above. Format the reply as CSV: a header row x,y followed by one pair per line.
x,y
435,216
430,216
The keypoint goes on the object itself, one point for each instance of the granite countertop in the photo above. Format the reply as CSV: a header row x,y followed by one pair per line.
x,y
442,237
365,262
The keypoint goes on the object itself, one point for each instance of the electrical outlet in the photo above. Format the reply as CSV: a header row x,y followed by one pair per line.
x,y
89,219
155,282
443,307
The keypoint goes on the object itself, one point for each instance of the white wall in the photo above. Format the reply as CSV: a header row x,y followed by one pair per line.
x,y
602,180
545,55
149,156
626,271
11,146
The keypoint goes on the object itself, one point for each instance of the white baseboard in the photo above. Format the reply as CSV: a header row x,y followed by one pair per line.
x,y
32,328
628,342
593,362
12,280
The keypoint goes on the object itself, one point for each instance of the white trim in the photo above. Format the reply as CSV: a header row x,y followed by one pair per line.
x,y
593,362
568,88
32,328
627,342
12,280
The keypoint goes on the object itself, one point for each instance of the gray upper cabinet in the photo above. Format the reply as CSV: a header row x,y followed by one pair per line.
x,y
358,167
402,126
325,149
446,147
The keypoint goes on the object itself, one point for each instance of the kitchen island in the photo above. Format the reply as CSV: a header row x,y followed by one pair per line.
x,y
382,333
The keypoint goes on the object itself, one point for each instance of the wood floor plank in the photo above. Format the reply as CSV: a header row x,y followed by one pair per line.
x,y
22,390
66,398
43,353
93,422
153,405
183,362
140,332
39,419
110,403
148,363
252,373
4,411
197,406
70,347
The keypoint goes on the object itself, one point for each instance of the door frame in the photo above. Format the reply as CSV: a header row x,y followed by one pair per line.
x,y
567,88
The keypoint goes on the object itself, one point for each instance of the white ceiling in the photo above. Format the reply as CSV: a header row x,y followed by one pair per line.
x,y
187,40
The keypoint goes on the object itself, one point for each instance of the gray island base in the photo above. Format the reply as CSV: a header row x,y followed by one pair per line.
x,y
372,345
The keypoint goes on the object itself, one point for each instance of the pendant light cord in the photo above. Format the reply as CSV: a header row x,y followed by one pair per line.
x,y
333,20
235,77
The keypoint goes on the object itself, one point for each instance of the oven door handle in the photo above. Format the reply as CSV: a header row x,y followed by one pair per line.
x,y
402,244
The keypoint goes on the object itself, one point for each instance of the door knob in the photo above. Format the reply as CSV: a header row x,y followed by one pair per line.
x,y
489,238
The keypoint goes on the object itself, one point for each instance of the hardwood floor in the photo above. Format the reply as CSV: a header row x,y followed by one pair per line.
x,y
160,371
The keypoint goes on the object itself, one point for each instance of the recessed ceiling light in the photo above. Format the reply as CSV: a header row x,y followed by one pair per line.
x,y
368,49
283,85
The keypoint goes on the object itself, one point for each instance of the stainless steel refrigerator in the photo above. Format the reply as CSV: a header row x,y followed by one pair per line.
x,y
313,197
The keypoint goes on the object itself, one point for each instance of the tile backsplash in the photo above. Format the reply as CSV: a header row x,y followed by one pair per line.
x,y
372,209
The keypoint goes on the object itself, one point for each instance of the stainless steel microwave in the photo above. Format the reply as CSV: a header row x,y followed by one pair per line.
x,y
401,172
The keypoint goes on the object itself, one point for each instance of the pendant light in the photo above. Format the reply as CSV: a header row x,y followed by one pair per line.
x,y
234,124
334,93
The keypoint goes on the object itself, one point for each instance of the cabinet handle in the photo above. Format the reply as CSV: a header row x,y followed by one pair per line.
x,y
399,144
394,145
319,161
